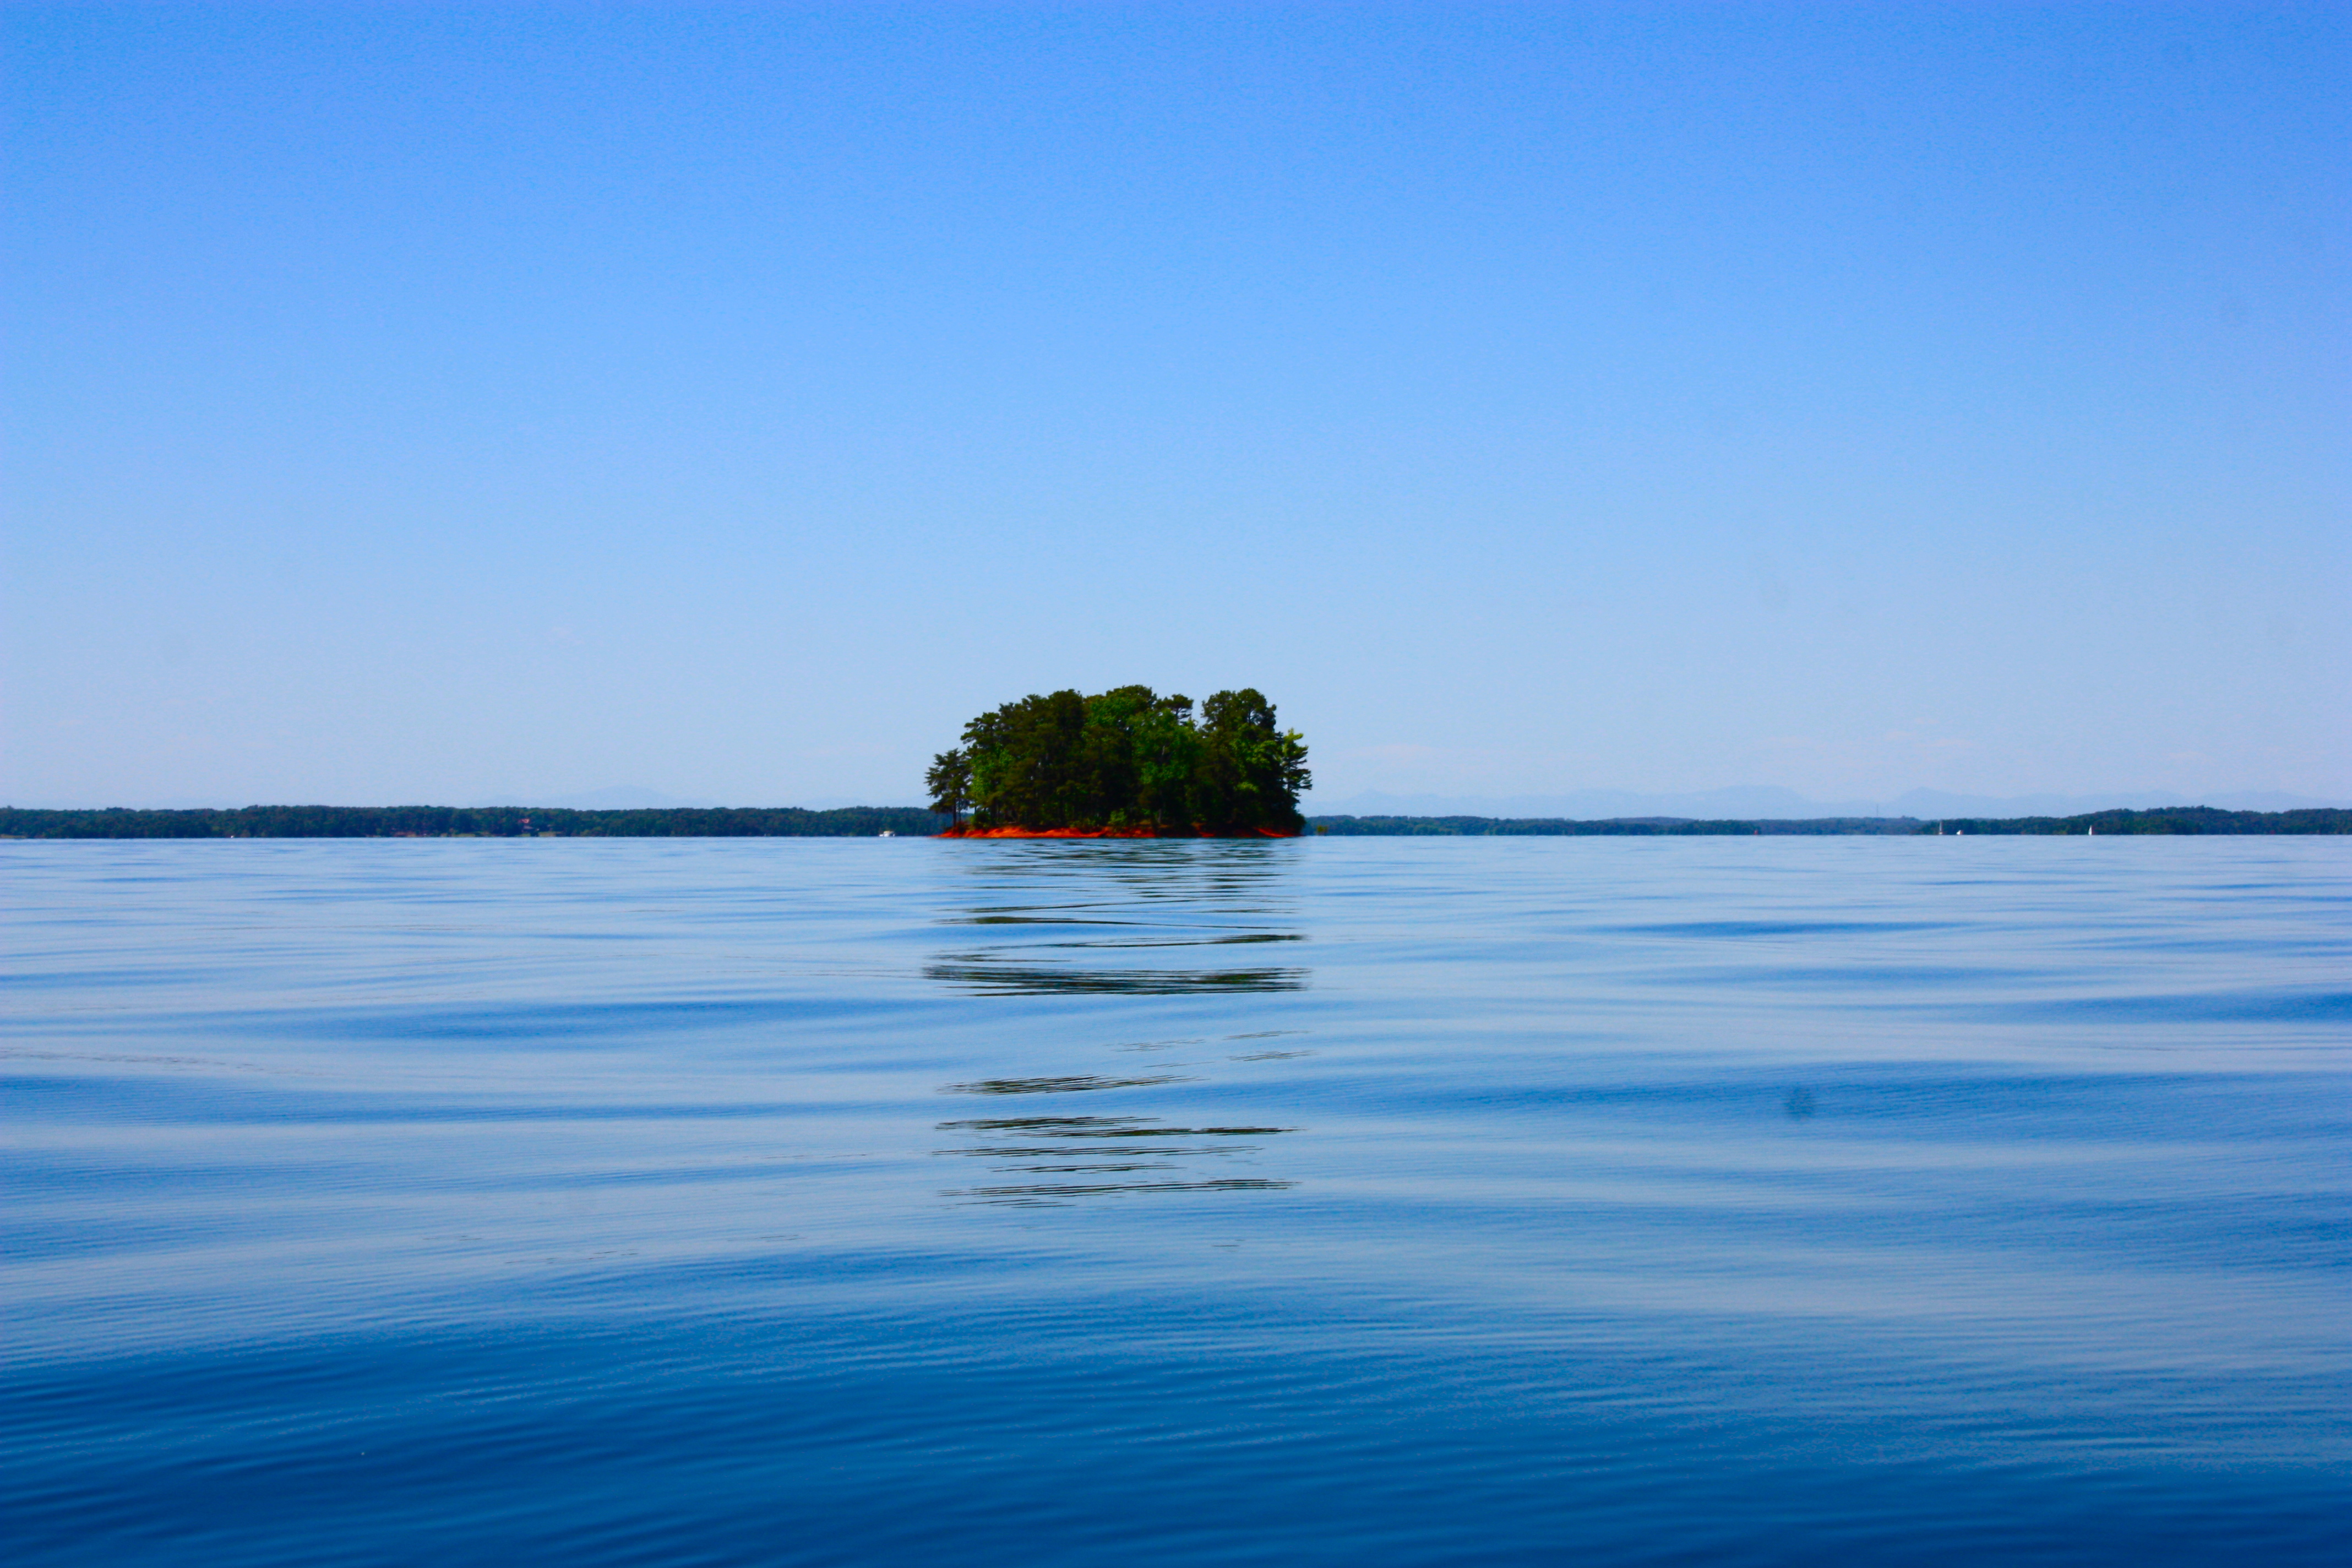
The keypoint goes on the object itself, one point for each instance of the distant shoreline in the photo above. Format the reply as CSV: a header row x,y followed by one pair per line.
x,y
475,822
2174,820
914,822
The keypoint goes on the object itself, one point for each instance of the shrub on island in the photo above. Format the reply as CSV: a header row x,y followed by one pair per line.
x,y
1127,764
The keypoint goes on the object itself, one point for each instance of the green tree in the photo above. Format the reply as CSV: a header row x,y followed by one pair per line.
x,y
1026,761
1127,758
950,781
1252,770
1167,758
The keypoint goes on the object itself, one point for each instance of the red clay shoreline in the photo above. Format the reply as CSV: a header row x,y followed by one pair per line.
x,y
1106,833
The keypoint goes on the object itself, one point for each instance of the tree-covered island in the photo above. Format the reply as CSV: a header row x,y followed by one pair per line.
x,y
1127,763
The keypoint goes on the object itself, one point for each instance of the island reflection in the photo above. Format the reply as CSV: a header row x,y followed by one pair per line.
x,y
1059,902
1114,917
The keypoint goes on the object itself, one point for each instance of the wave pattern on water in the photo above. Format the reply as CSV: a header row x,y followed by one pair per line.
x,y
1616,1201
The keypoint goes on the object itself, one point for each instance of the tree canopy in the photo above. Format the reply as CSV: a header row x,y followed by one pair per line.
x,y
1128,761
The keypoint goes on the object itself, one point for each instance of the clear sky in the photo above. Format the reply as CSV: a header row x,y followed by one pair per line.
x,y
441,405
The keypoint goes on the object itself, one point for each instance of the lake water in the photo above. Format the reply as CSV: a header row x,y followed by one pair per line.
x,y
1362,1201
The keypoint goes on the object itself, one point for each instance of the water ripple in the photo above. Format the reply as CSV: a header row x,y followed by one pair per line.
x,y
1740,1201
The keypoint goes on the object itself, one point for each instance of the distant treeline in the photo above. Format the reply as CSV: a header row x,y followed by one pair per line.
x,y
1611,827
465,822
870,821
2170,819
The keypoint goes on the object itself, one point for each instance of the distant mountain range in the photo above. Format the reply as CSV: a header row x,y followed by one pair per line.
x,y
1764,803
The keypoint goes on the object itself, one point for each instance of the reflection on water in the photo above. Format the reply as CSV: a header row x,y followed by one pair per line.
x,y
1073,1083
1054,900
989,978
1130,897
1120,1152
1747,1202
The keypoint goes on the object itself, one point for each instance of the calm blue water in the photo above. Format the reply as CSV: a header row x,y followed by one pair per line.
x,y
1602,1201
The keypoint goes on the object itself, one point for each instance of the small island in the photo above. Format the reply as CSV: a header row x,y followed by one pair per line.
x,y
1127,764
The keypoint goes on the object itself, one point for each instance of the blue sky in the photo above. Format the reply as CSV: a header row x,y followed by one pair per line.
x,y
439,403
